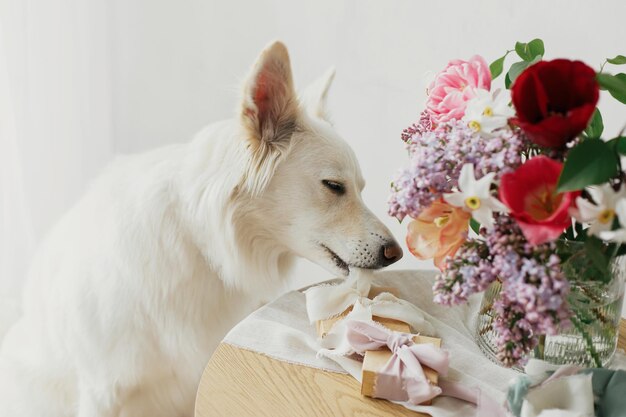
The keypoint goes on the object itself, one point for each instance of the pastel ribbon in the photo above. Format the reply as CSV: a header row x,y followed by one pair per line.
x,y
402,378
326,301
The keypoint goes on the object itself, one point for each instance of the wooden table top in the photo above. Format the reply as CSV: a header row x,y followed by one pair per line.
x,y
241,383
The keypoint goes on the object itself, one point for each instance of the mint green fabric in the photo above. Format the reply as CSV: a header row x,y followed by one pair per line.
x,y
516,394
609,388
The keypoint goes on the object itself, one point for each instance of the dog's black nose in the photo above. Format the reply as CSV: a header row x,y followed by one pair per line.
x,y
391,252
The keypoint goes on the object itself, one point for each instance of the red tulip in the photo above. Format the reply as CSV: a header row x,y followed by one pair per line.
x,y
555,100
530,194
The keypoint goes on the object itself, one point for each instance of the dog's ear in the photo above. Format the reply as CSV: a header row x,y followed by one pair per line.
x,y
269,106
313,97
269,112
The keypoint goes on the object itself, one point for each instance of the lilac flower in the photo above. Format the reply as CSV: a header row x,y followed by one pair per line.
x,y
468,272
437,155
514,334
533,300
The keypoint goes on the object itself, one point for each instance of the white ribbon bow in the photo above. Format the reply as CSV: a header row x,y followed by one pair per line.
x,y
329,300
326,301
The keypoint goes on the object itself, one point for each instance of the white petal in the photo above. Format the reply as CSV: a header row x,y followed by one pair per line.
x,y
599,193
620,210
618,235
611,197
489,124
587,211
455,199
482,187
473,113
484,216
496,205
466,179
596,228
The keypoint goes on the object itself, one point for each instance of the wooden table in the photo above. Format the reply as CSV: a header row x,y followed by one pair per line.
x,y
241,383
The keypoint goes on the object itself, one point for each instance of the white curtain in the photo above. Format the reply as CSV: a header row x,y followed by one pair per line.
x,y
55,118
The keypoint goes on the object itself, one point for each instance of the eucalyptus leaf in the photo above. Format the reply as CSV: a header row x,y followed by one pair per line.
x,y
517,69
497,66
507,81
536,48
522,51
618,60
614,84
596,126
529,51
590,162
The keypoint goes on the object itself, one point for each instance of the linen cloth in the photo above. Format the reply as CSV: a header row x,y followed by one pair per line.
x,y
281,330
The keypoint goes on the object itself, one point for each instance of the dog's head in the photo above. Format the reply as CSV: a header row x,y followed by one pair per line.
x,y
304,180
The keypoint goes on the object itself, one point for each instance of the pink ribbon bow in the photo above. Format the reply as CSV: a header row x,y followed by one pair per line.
x,y
402,378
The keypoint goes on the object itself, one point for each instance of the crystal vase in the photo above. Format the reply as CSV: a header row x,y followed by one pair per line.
x,y
596,307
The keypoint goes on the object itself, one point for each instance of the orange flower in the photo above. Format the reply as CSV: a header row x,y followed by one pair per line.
x,y
438,232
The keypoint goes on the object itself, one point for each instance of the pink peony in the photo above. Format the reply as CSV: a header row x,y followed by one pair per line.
x,y
453,87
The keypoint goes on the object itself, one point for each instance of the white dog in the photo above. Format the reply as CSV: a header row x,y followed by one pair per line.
x,y
137,284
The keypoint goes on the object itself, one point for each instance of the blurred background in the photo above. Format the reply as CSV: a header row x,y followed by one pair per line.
x,y
84,80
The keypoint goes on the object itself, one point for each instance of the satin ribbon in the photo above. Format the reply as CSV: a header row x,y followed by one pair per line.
x,y
326,301
402,378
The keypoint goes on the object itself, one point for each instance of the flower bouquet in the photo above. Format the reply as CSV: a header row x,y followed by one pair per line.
x,y
515,191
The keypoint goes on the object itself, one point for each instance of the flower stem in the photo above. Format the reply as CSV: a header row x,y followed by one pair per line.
x,y
579,325
541,347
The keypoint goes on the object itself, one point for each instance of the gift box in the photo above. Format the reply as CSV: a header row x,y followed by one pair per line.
x,y
375,360
324,326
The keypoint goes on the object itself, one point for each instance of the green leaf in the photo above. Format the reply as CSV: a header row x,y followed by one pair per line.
x,y
497,66
618,60
536,48
620,144
522,50
507,81
475,226
519,67
596,252
529,51
596,126
614,84
590,162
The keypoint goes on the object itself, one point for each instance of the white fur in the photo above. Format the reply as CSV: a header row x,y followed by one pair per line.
x,y
135,287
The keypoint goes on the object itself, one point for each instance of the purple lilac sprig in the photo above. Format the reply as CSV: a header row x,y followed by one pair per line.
x,y
437,156
533,299
534,289
423,125
468,272
514,334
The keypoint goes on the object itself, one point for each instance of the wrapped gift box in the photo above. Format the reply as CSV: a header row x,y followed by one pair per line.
x,y
324,326
374,360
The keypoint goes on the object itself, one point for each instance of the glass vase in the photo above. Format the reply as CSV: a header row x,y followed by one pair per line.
x,y
596,307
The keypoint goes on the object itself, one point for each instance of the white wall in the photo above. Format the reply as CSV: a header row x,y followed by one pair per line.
x,y
177,67
174,66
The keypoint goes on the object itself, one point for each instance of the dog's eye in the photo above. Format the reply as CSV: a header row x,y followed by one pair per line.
x,y
334,186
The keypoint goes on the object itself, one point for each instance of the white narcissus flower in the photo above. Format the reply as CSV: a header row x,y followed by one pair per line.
x,y
600,216
487,112
474,196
